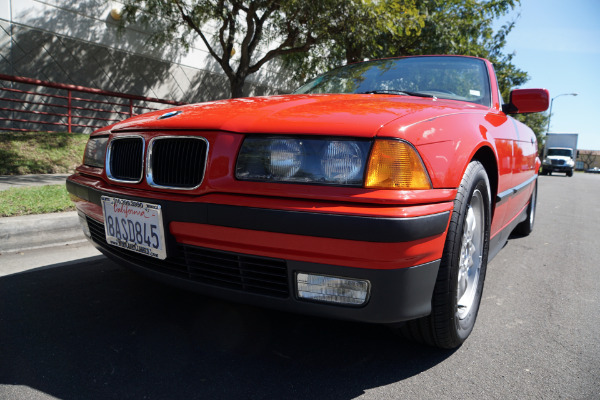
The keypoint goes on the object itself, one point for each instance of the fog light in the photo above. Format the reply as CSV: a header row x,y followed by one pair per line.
x,y
331,289
84,225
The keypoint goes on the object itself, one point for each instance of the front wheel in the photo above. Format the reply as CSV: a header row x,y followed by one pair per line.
x,y
459,285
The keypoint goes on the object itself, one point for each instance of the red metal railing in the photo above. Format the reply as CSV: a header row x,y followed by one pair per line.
x,y
74,107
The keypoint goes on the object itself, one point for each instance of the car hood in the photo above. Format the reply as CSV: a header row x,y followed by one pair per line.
x,y
330,114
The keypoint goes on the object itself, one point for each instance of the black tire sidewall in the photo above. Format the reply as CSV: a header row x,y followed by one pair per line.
x,y
475,179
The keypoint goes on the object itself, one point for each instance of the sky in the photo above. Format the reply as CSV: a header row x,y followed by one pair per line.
x,y
557,42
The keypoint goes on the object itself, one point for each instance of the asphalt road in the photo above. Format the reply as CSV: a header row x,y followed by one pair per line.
x,y
87,329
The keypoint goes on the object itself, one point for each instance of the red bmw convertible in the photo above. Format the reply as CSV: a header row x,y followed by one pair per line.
x,y
377,192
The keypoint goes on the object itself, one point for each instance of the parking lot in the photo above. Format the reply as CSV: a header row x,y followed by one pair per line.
x,y
87,329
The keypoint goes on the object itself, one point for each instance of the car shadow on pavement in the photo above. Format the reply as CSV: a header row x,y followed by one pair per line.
x,y
93,330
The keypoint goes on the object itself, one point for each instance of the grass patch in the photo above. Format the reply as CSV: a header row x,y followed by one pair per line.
x,y
23,153
34,200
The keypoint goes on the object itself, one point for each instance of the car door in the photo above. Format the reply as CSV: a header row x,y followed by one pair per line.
x,y
523,173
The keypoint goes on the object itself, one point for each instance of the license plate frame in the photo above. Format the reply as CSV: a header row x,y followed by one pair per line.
x,y
134,225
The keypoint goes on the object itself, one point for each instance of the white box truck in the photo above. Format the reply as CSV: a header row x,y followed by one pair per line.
x,y
560,152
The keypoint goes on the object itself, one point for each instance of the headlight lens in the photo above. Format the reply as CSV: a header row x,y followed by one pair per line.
x,y
95,152
285,158
389,164
342,161
295,160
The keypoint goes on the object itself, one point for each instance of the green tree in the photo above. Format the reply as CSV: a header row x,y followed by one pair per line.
x,y
432,27
258,31
359,30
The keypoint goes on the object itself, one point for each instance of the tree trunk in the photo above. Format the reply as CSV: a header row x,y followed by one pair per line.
x,y
237,86
353,53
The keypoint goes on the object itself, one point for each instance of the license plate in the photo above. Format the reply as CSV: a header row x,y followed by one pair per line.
x,y
135,226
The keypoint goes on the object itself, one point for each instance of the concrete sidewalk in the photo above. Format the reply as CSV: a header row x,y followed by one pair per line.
x,y
36,231
11,181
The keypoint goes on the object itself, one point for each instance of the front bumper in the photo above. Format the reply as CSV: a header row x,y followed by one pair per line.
x,y
556,168
203,239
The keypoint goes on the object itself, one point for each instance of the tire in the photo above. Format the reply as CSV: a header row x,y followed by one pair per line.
x,y
526,227
570,173
460,279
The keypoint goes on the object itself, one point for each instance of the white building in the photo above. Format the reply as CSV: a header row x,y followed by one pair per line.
x,y
77,42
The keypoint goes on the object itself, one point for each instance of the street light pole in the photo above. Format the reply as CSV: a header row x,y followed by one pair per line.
x,y
551,102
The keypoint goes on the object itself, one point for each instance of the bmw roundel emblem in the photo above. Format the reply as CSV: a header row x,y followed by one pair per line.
x,y
170,114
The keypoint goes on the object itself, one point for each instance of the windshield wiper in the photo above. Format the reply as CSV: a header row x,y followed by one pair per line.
x,y
399,92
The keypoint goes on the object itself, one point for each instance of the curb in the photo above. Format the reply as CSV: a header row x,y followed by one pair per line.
x,y
43,230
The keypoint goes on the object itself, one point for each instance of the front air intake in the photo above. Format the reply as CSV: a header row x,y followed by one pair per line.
x,y
126,159
177,162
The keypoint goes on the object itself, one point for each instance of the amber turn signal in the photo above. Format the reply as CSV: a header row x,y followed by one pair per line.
x,y
395,164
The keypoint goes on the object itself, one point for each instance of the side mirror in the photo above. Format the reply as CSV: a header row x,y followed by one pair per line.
x,y
527,101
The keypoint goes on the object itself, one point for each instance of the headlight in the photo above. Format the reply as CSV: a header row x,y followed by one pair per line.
x,y
285,158
95,152
342,161
383,164
296,160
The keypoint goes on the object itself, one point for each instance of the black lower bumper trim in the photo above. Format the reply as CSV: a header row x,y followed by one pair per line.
x,y
396,295
335,226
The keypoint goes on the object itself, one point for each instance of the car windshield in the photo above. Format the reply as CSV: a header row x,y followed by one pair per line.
x,y
455,78
559,152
